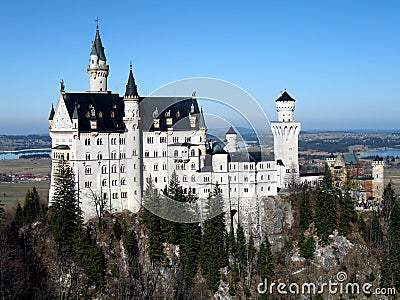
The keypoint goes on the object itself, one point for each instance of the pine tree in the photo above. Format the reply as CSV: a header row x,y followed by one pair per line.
x,y
386,274
213,253
131,250
241,255
394,243
347,211
190,245
152,223
307,246
305,208
326,207
19,216
265,262
388,202
374,233
31,208
65,214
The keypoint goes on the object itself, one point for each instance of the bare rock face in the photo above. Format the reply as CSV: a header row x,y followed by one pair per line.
x,y
276,215
332,255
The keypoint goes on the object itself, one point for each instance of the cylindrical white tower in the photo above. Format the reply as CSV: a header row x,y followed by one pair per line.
x,y
286,141
231,136
133,145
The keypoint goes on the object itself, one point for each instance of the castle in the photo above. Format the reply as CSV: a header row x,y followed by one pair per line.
x,y
114,143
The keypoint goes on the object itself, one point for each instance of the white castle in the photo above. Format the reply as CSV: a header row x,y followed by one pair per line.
x,y
114,143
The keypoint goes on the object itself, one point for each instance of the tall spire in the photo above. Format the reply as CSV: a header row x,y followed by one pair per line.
x,y
131,88
202,123
98,45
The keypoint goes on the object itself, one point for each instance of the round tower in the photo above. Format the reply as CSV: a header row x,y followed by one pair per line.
x,y
378,166
286,139
98,68
133,144
231,136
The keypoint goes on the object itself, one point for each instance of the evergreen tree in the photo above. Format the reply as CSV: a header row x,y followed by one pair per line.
x,y
31,208
305,208
388,201
152,223
131,250
394,243
19,216
241,254
374,233
326,207
190,245
213,253
117,229
265,262
386,274
65,214
307,246
347,211
171,230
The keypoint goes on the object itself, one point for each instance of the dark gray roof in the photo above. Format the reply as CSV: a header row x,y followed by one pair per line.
x,y
207,164
202,123
109,110
332,156
177,108
350,159
62,147
52,112
285,97
75,115
378,158
231,131
97,46
131,87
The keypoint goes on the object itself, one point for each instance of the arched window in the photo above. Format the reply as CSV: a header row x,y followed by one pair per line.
x,y
99,156
114,169
192,152
193,178
87,156
123,181
122,169
113,155
104,182
104,169
176,153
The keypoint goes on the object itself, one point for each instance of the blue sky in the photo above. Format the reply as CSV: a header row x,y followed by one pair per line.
x,y
338,59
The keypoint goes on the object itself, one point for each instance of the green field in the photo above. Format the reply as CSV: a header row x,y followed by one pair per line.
x,y
12,193
393,174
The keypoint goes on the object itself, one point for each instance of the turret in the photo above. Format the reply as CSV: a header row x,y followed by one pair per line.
x,y
378,169
231,140
97,68
285,106
52,112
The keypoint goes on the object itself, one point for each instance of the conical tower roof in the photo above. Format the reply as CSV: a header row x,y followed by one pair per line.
x,y
131,88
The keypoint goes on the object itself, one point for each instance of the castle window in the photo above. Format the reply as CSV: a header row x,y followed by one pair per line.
x,y
193,178
246,179
192,152
122,169
155,179
246,190
124,195
147,154
99,156
246,167
113,169
176,153
206,179
87,156
150,140
188,139
122,155
99,141
164,153
262,189
113,155
194,190
155,154
175,139
104,196
123,181
193,166
220,167
165,179
163,139
88,184
104,169
114,182
115,195
104,182
134,179
88,170
155,167
251,167
87,142
134,153
184,178
262,177
164,166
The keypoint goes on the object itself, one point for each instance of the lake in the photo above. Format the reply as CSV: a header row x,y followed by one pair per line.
x,y
381,153
6,155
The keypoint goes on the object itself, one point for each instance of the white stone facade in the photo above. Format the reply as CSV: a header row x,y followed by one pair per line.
x,y
113,164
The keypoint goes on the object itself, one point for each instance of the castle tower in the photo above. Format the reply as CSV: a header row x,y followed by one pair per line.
x,y
286,137
231,140
378,166
133,144
97,68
